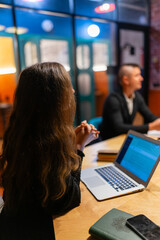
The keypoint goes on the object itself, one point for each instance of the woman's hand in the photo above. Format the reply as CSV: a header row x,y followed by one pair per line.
x,y
85,133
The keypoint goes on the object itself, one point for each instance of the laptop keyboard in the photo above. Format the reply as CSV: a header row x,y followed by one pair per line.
x,y
117,180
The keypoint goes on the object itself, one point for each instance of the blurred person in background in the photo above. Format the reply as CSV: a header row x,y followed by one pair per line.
x,y
120,107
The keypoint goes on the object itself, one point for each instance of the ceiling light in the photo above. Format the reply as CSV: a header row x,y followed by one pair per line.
x,y
19,30
10,30
2,27
93,30
104,8
47,25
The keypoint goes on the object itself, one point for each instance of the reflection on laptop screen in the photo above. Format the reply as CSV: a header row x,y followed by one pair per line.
x,y
140,157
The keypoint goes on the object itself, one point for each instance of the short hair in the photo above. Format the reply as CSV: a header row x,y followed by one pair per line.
x,y
123,69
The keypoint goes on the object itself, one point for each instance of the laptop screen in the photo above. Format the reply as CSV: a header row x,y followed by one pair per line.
x,y
139,156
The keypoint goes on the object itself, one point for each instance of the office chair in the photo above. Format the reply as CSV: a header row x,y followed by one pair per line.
x,y
96,122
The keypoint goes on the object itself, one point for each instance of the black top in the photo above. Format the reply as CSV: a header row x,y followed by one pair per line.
x,y
34,222
116,117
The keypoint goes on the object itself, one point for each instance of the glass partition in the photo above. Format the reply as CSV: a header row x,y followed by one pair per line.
x,y
7,56
96,50
63,6
30,53
55,50
132,49
45,37
98,9
133,11
83,57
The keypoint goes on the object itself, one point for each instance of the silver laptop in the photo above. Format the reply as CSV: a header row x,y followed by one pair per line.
x,y
130,172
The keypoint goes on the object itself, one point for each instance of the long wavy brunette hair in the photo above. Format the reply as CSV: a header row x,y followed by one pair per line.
x,y
39,143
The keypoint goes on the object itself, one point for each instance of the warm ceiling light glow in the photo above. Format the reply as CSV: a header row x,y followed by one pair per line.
x,y
10,30
93,30
2,27
106,7
20,30
7,70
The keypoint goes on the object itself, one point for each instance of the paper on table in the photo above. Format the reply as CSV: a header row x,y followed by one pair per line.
x,y
154,133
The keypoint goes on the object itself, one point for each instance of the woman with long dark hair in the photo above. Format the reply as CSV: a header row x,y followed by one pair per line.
x,y
41,154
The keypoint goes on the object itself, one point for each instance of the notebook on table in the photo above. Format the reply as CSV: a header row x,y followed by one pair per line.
x,y
113,226
130,172
107,155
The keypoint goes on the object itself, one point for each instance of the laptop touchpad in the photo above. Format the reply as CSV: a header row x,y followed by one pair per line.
x,y
94,181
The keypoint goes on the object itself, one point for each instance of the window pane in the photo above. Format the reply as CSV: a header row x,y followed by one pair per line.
x,y
45,37
83,60
96,40
132,48
100,56
55,51
65,6
43,24
84,84
133,11
6,1
96,8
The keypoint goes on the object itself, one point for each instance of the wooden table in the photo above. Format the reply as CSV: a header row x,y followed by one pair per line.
x,y
75,224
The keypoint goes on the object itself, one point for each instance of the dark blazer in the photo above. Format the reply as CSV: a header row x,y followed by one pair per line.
x,y
34,222
116,117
